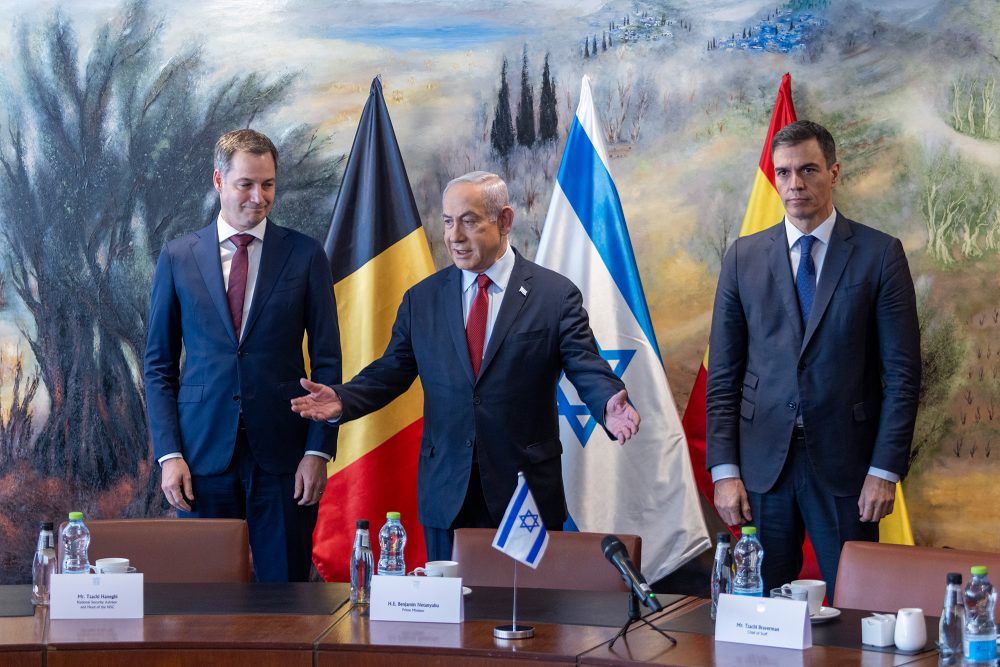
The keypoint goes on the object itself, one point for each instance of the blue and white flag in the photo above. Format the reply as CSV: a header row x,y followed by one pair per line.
x,y
521,534
645,487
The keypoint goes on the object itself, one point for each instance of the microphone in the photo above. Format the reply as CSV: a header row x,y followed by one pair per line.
x,y
617,554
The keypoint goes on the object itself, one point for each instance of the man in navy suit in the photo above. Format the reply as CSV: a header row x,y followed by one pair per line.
x,y
235,299
814,370
489,338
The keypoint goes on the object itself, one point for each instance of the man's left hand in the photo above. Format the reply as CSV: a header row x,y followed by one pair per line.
x,y
620,418
877,497
310,479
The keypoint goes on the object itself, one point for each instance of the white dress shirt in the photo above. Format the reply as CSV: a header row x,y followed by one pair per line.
x,y
499,273
822,235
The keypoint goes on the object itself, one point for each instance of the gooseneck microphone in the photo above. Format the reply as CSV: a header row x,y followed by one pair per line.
x,y
616,552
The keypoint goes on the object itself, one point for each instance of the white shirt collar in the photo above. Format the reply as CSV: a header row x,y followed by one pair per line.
x,y
499,273
225,231
822,233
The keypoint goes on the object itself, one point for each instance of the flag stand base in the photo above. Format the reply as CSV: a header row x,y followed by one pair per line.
x,y
514,631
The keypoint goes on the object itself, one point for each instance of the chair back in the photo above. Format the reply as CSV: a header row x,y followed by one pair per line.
x,y
888,577
174,550
573,561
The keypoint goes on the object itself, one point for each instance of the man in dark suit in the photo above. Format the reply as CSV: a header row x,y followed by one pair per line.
x,y
235,298
489,338
814,370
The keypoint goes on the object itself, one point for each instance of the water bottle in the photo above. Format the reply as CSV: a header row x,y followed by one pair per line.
x,y
980,637
952,616
722,573
361,565
748,555
392,541
75,542
44,564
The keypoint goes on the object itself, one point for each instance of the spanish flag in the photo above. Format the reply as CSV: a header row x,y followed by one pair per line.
x,y
764,209
377,250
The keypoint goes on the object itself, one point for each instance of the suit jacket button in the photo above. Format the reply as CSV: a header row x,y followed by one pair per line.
x,y
476,400
792,405
236,397
468,443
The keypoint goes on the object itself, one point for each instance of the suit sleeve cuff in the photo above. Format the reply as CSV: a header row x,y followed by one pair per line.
x,y
883,474
313,452
167,457
725,471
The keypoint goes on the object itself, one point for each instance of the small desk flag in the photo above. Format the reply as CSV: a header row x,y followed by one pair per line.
x,y
521,534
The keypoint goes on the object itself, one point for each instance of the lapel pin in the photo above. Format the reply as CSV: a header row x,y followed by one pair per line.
x,y
523,291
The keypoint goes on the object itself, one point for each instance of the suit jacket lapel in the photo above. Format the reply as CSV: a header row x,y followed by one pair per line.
x,y
781,273
205,249
274,254
454,318
833,268
514,298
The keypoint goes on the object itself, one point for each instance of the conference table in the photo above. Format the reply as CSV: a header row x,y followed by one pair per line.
x,y
250,625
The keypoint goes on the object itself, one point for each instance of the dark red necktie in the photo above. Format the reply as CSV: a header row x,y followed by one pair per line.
x,y
238,279
475,327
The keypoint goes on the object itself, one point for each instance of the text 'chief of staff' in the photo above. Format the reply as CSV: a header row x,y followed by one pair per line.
x,y
236,298
489,338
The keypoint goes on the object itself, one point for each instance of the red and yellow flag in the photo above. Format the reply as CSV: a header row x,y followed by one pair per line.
x,y
377,250
764,209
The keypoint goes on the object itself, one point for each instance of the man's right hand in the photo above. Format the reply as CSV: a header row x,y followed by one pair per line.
x,y
320,404
731,501
175,480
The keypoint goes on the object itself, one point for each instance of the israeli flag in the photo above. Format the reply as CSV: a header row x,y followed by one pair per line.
x,y
645,487
521,534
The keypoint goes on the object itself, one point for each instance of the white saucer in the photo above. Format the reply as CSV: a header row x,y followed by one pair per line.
x,y
466,590
825,614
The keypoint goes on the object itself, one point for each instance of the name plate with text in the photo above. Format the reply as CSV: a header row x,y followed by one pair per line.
x,y
96,596
421,599
763,621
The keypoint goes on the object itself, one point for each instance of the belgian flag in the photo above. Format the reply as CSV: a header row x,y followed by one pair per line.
x,y
377,250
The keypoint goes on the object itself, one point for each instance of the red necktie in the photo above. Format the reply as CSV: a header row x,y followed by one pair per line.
x,y
475,327
238,279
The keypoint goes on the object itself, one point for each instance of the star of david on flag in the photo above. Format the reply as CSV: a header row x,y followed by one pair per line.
x,y
521,534
573,412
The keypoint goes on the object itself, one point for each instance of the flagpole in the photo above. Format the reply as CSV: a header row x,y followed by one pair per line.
x,y
514,631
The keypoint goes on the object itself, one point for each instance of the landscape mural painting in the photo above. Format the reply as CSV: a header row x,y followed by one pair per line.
x,y
109,110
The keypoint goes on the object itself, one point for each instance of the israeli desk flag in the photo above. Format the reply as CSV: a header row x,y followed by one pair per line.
x,y
645,487
521,534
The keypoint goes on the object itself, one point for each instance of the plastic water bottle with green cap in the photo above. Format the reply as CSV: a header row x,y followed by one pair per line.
x,y
75,542
748,555
980,637
392,541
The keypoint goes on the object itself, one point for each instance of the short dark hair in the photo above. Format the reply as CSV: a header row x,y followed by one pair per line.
x,y
246,140
804,130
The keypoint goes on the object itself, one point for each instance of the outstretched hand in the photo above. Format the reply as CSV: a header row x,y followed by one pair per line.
x,y
321,403
620,418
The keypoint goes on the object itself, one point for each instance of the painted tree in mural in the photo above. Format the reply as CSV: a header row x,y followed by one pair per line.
x,y
502,132
104,158
526,106
548,118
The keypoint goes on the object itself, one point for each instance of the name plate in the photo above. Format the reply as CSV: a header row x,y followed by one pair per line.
x,y
763,621
421,599
96,596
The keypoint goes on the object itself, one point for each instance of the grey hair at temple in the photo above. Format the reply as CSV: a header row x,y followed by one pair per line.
x,y
495,196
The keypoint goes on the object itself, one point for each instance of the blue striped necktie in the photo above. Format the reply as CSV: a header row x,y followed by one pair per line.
x,y
805,277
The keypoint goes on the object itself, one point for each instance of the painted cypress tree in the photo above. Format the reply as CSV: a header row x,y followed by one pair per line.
x,y
594,50
525,106
548,118
604,41
502,132
586,48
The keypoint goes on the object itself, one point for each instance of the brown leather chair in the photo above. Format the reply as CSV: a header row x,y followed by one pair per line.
x,y
573,561
887,577
174,550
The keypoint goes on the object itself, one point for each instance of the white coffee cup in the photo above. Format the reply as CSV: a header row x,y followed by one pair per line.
x,y
815,590
911,631
438,568
112,566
